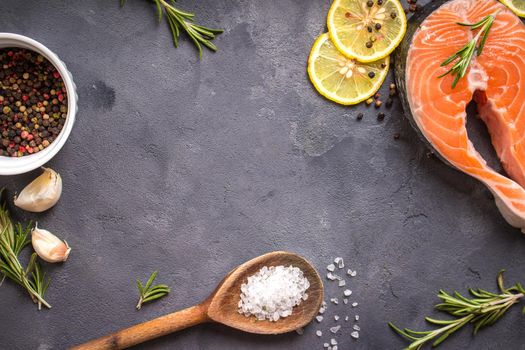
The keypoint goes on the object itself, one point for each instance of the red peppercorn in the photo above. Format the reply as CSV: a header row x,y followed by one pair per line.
x,y
56,75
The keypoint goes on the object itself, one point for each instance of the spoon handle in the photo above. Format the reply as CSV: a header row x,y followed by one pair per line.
x,y
149,330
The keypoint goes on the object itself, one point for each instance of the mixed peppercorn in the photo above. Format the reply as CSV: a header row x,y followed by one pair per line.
x,y
33,102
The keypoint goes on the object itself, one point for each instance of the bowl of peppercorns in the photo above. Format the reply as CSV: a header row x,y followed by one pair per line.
x,y
38,104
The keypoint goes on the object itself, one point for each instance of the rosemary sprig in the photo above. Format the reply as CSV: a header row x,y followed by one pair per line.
x,y
13,239
179,20
483,310
465,54
151,292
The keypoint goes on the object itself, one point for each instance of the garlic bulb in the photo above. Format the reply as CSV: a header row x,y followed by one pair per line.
x,y
42,193
48,246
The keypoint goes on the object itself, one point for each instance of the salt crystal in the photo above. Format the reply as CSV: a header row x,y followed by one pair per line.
x,y
273,292
355,334
335,301
356,327
347,293
346,319
319,333
342,283
334,347
333,341
345,301
336,318
331,276
357,317
331,267
300,331
326,345
322,310
335,329
354,304
319,319
340,263
349,272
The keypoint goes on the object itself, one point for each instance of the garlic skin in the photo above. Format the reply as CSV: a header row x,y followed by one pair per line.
x,y
48,246
42,193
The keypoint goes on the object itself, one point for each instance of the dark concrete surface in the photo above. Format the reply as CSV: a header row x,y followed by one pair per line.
x,y
193,167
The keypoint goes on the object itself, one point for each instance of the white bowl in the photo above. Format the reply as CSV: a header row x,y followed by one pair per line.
x,y
19,165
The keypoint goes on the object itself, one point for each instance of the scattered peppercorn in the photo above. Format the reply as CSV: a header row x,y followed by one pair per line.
x,y
389,102
393,15
360,116
378,26
369,3
369,101
380,2
378,103
381,116
29,119
369,29
369,44
392,86
397,136
371,75
383,65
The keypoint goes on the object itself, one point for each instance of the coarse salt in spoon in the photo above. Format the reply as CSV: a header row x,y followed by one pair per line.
x,y
222,307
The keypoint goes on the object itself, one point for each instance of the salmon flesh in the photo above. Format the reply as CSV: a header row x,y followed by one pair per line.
x,y
493,80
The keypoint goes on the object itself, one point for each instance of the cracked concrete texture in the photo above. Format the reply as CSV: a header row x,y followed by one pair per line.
x,y
192,167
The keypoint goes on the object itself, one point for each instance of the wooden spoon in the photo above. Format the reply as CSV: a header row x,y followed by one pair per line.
x,y
221,307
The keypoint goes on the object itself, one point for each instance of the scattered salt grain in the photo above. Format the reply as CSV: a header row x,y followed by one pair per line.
x,y
336,318
300,331
351,273
333,341
345,301
319,333
356,328
319,318
357,317
354,304
326,345
335,329
334,347
330,276
355,334
347,293
340,263
342,283
346,319
273,292
335,301
331,267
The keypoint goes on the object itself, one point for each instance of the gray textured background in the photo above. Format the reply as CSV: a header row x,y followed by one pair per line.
x,y
194,167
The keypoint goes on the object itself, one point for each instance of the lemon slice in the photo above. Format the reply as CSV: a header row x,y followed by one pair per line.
x,y
341,79
517,6
366,30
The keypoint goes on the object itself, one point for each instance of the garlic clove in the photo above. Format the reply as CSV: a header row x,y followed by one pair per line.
x,y
48,246
42,193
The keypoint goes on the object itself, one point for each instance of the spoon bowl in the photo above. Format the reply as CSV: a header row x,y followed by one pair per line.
x,y
222,307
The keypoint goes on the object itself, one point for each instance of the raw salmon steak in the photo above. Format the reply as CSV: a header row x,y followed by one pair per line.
x,y
495,81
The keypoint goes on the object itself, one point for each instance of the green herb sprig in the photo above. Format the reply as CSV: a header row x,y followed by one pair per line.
x,y
13,239
179,20
483,310
465,54
151,292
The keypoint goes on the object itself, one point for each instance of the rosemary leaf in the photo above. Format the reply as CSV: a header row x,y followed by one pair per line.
x,y
179,20
466,53
482,311
150,292
13,239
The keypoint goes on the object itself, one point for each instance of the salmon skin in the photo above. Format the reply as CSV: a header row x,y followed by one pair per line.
x,y
495,80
